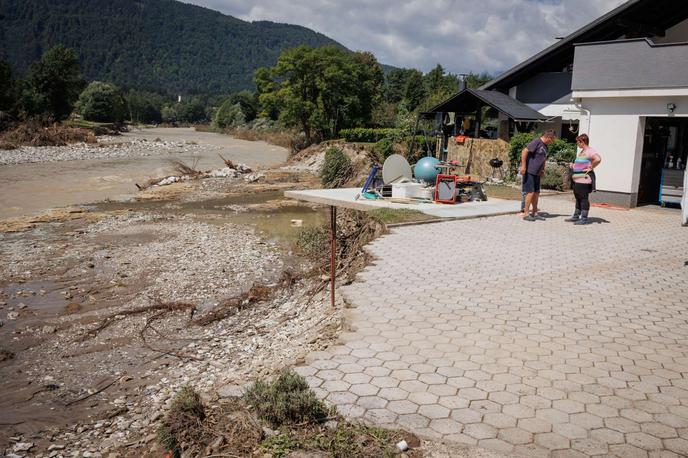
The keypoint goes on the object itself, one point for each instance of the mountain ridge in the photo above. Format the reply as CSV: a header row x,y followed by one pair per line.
x,y
160,45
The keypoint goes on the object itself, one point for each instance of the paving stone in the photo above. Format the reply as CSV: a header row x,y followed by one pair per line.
x,y
535,425
466,416
434,411
679,446
364,389
446,426
518,411
515,436
490,353
586,420
480,431
659,430
371,402
607,436
499,420
552,441
413,421
570,430
453,402
423,398
627,451
589,446
496,445
552,415
644,441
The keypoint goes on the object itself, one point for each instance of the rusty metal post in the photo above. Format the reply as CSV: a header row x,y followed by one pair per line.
x,y
333,250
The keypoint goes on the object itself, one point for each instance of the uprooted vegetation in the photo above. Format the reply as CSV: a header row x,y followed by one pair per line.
x,y
34,133
237,427
337,168
185,172
354,231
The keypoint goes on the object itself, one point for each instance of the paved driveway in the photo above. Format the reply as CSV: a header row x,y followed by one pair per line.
x,y
540,338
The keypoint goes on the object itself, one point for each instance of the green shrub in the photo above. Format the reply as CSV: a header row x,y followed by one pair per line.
x,y
285,400
337,168
102,102
229,115
561,151
553,178
182,420
366,135
384,148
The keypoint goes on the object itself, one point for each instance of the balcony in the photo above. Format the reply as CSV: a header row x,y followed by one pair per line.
x,y
629,64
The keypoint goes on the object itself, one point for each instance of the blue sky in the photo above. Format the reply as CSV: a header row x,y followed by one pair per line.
x,y
462,35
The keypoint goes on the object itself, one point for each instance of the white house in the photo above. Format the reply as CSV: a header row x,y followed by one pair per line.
x,y
623,80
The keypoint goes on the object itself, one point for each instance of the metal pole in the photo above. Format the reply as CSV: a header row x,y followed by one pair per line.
x,y
333,250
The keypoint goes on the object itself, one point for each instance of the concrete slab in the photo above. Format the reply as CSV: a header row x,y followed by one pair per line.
x,y
345,198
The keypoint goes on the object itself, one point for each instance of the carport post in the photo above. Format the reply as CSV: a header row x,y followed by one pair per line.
x,y
333,250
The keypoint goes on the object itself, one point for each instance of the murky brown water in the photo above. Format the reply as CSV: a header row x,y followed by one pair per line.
x,y
278,222
27,189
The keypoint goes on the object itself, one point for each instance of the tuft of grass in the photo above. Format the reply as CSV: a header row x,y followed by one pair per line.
x,y
183,420
355,440
398,215
285,400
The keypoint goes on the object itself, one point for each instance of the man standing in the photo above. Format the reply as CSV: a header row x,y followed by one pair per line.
x,y
533,158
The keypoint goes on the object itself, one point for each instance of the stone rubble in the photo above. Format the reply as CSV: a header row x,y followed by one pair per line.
x,y
106,148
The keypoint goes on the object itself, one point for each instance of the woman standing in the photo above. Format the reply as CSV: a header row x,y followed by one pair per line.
x,y
586,161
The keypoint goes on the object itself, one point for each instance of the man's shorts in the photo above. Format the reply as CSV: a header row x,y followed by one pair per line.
x,y
531,183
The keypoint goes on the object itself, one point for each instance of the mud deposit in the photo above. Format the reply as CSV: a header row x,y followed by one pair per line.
x,y
108,311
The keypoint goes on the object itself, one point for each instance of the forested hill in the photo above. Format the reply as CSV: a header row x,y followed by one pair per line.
x,y
160,45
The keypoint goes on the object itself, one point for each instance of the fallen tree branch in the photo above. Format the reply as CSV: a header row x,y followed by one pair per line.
x,y
95,392
167,306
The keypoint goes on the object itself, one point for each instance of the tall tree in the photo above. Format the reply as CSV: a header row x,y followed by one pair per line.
x,y
102,102
414,92
321,90
53,84
475,80
8,94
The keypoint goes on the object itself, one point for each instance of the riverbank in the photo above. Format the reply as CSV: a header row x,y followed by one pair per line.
x,y
109,309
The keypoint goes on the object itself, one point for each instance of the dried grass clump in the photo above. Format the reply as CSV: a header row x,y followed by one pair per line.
x,y
183,422
285,400
283,139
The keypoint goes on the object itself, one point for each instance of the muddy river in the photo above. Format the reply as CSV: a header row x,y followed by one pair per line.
x,y
30,188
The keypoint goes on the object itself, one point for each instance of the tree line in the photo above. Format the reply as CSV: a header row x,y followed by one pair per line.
x,y
316,90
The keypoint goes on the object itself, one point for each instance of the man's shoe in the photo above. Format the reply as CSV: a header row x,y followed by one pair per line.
x,y
572,219
582,222
529,218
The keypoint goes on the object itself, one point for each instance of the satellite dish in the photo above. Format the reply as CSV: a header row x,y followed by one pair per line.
x,y
395,167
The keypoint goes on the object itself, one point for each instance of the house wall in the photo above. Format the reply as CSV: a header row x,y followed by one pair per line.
x,y
617,126
545,87
630,64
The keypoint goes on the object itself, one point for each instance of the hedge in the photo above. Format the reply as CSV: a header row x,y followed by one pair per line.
x,y
366,135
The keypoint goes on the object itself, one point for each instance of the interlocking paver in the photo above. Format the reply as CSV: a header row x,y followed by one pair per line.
x,y
548,369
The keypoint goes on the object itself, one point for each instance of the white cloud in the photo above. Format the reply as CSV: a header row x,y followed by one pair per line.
x,y
462,35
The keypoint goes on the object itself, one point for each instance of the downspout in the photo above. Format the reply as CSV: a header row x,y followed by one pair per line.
x,y
579,104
